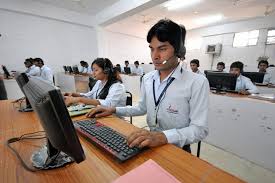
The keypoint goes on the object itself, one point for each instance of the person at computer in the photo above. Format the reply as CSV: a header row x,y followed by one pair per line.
x,y
243,85
85,68
32,70
118,68
127,69
174,99
45,72
137,70
262,66
220,66
194,65
108,90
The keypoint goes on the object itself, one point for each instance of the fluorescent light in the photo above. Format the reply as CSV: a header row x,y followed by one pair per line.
x,y
178,4
209,19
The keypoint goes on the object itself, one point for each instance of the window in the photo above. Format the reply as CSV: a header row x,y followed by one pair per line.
x,y
270,36
246,38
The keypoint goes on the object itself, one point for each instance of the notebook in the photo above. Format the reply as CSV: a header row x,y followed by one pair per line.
x,y
149,171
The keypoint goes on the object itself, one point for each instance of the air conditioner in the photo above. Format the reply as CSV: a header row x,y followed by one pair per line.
x,y
214,49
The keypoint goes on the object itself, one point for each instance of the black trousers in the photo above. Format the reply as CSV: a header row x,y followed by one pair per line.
x,y
187,148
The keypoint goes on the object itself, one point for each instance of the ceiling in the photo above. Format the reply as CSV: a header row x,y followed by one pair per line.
x,y
231,10
91,7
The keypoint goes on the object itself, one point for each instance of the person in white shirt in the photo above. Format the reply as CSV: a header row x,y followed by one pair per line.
x,y
174,99
108,90
262,66
220,66
137,70
45,72
85,68
243,85
32,70
194,65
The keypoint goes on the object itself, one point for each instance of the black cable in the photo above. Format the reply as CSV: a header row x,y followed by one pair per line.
x,y
24,137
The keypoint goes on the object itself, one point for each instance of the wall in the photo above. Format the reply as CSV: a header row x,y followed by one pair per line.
x,y
224,34
56,42
120,47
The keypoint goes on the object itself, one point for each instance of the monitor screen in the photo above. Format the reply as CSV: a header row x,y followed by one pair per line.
x,y
256,77
62,141
207,71
127,70
65,68
69,68
75,70
222,81
6,72
21,80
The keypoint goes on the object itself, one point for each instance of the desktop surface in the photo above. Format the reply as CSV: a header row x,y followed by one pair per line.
x,y
98,166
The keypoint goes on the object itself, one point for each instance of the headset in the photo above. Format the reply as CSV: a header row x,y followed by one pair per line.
x,y
106,69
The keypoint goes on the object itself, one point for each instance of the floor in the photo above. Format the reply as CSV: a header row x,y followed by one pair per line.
x,y
229,162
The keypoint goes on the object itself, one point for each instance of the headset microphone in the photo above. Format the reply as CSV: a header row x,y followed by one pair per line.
x,y
165,61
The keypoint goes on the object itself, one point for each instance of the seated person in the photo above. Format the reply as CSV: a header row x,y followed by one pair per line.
x,y
118,67
220,66
262,66
137,70
108,90
85,68
127,69
32,70
244,85
46,72
194,65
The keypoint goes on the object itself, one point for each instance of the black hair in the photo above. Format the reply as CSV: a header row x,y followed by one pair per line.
x,y
195,61
167,30
28,60
136,62
263,62
238,65
221,63
113,75
39,60
126,61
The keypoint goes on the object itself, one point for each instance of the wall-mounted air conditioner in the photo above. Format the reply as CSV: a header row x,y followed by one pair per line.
x,y
214,49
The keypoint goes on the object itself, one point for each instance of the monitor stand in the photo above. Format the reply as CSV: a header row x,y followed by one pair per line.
x,y
49,157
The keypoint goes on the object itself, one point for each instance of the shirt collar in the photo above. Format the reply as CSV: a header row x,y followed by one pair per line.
x,y
176,74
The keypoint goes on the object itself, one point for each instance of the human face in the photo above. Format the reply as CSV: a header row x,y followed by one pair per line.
x,y
235,71
262,67
98,73
36,64
220,68
161,51
28,64
194,67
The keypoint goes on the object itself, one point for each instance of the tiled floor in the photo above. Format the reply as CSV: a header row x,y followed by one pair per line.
x,y
229,162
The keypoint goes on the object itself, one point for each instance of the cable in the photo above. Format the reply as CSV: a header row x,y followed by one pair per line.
x,y
24,137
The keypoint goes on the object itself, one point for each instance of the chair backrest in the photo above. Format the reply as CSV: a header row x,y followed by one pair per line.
x,y
129,99
92,82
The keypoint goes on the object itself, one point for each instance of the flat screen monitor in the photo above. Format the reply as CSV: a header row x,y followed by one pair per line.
x,y
256,77
222,81
63,145
6,72
70,70
127,70
65,68
75,70
207,71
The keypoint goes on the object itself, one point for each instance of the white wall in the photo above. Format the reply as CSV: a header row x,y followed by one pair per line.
x,y
56,42
120,47
224,34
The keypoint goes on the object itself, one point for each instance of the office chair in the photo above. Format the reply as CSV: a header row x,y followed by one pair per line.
x,y
199,149
92,82
129,101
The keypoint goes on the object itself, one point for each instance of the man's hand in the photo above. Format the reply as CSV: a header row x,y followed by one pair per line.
x,y
244,92
68,94
70,100
100,111
142,138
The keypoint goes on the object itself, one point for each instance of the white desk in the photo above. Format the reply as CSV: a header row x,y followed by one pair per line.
x,y
243,126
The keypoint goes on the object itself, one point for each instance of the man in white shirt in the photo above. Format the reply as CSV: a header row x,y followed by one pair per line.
x,y
85,68
46,72
137,70
175,100
220,66
32,70
194,65
262,66
243,85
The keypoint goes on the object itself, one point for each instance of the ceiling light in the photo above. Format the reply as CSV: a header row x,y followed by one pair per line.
x,y
178,4
209,19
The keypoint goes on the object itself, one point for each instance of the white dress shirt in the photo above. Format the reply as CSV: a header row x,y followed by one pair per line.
x,y
199,72
182,112
244,83
116,95
46,74
267,78
85,70
137,71
33,71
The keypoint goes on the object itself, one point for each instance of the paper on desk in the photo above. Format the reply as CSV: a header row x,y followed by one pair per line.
x,y
149,171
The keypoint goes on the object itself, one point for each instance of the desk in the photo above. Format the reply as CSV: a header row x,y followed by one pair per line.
x,y
98,167
243,126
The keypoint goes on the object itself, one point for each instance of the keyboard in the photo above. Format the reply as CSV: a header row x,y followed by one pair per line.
x,y
106,138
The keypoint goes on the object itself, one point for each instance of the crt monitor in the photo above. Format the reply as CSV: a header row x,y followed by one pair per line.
x,y
127,70
70,70
63,145
21,80
256,77
75,70
222,81
6,72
